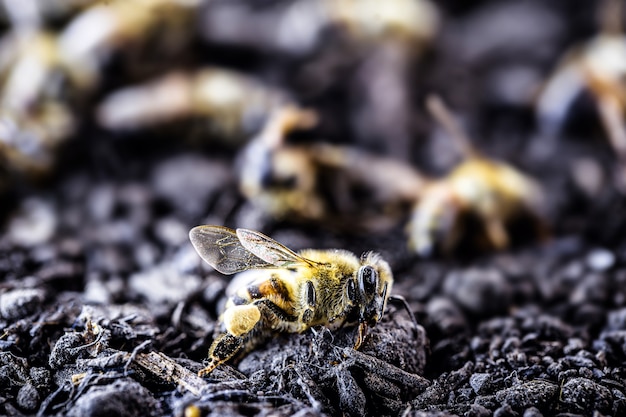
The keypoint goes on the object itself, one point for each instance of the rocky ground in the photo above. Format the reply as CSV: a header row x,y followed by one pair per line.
x,y
106,309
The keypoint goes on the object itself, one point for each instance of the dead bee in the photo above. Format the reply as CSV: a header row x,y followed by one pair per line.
x,y
106,27
290,292
232,103
493,192
46,77
599,67
323,183
35,116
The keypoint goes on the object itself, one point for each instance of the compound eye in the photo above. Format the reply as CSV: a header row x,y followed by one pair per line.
x,y
352,292
368,279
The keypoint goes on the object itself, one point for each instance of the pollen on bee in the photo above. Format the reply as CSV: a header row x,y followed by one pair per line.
x,y
241,319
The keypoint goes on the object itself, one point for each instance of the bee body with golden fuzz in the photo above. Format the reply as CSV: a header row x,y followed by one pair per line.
x,y
289,292
492,193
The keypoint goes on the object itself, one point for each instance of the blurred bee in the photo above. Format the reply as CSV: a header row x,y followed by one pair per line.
x,y
493,193
323,183
598,67
35,116
233,104
288,291
91,38
46,76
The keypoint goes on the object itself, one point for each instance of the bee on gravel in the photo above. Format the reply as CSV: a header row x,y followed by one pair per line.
x,y
290,292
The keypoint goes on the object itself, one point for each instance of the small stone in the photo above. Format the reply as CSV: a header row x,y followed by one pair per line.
x,y
19,303
34,224
584,395
145,254
617,320
446,315
600,259
101,202
481,383
481,291
123,397
534,393
171,231
532,412
164,284
477,410
189,181
28,397
40,377
505,411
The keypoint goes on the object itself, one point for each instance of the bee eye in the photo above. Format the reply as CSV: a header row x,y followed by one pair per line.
x,y
368,280
352,291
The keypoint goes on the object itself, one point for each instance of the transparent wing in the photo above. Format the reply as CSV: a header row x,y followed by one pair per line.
x,y
270,250
220,247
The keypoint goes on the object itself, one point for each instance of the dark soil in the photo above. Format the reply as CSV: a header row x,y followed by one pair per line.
x,y
106,309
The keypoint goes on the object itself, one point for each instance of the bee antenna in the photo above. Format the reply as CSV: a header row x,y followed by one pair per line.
x,y
400,300
442,114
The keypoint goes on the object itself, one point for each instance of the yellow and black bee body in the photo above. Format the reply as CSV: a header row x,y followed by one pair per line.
x,y
288,291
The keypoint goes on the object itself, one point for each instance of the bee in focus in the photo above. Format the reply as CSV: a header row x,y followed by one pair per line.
x,y
493,193
288,291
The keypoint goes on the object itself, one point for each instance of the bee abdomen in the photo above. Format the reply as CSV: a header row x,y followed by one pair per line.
x,y
272,288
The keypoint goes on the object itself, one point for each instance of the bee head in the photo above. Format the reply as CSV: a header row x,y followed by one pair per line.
x,y
370,289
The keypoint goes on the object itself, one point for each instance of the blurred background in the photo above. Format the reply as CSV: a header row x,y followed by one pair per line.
x,y
478,146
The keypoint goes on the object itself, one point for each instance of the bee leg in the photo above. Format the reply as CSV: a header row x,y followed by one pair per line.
x,y
360,335
496,233
238,320
223,348
274,311
308,313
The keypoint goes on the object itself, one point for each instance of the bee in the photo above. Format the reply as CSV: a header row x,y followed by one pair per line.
x,y
492,192
126,25
232,103
35,117
321,182
597,67
290,292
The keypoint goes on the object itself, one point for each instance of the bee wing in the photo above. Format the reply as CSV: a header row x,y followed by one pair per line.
x,y
221,248
270,250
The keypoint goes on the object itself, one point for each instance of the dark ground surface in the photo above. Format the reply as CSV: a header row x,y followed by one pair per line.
x,y
96,270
